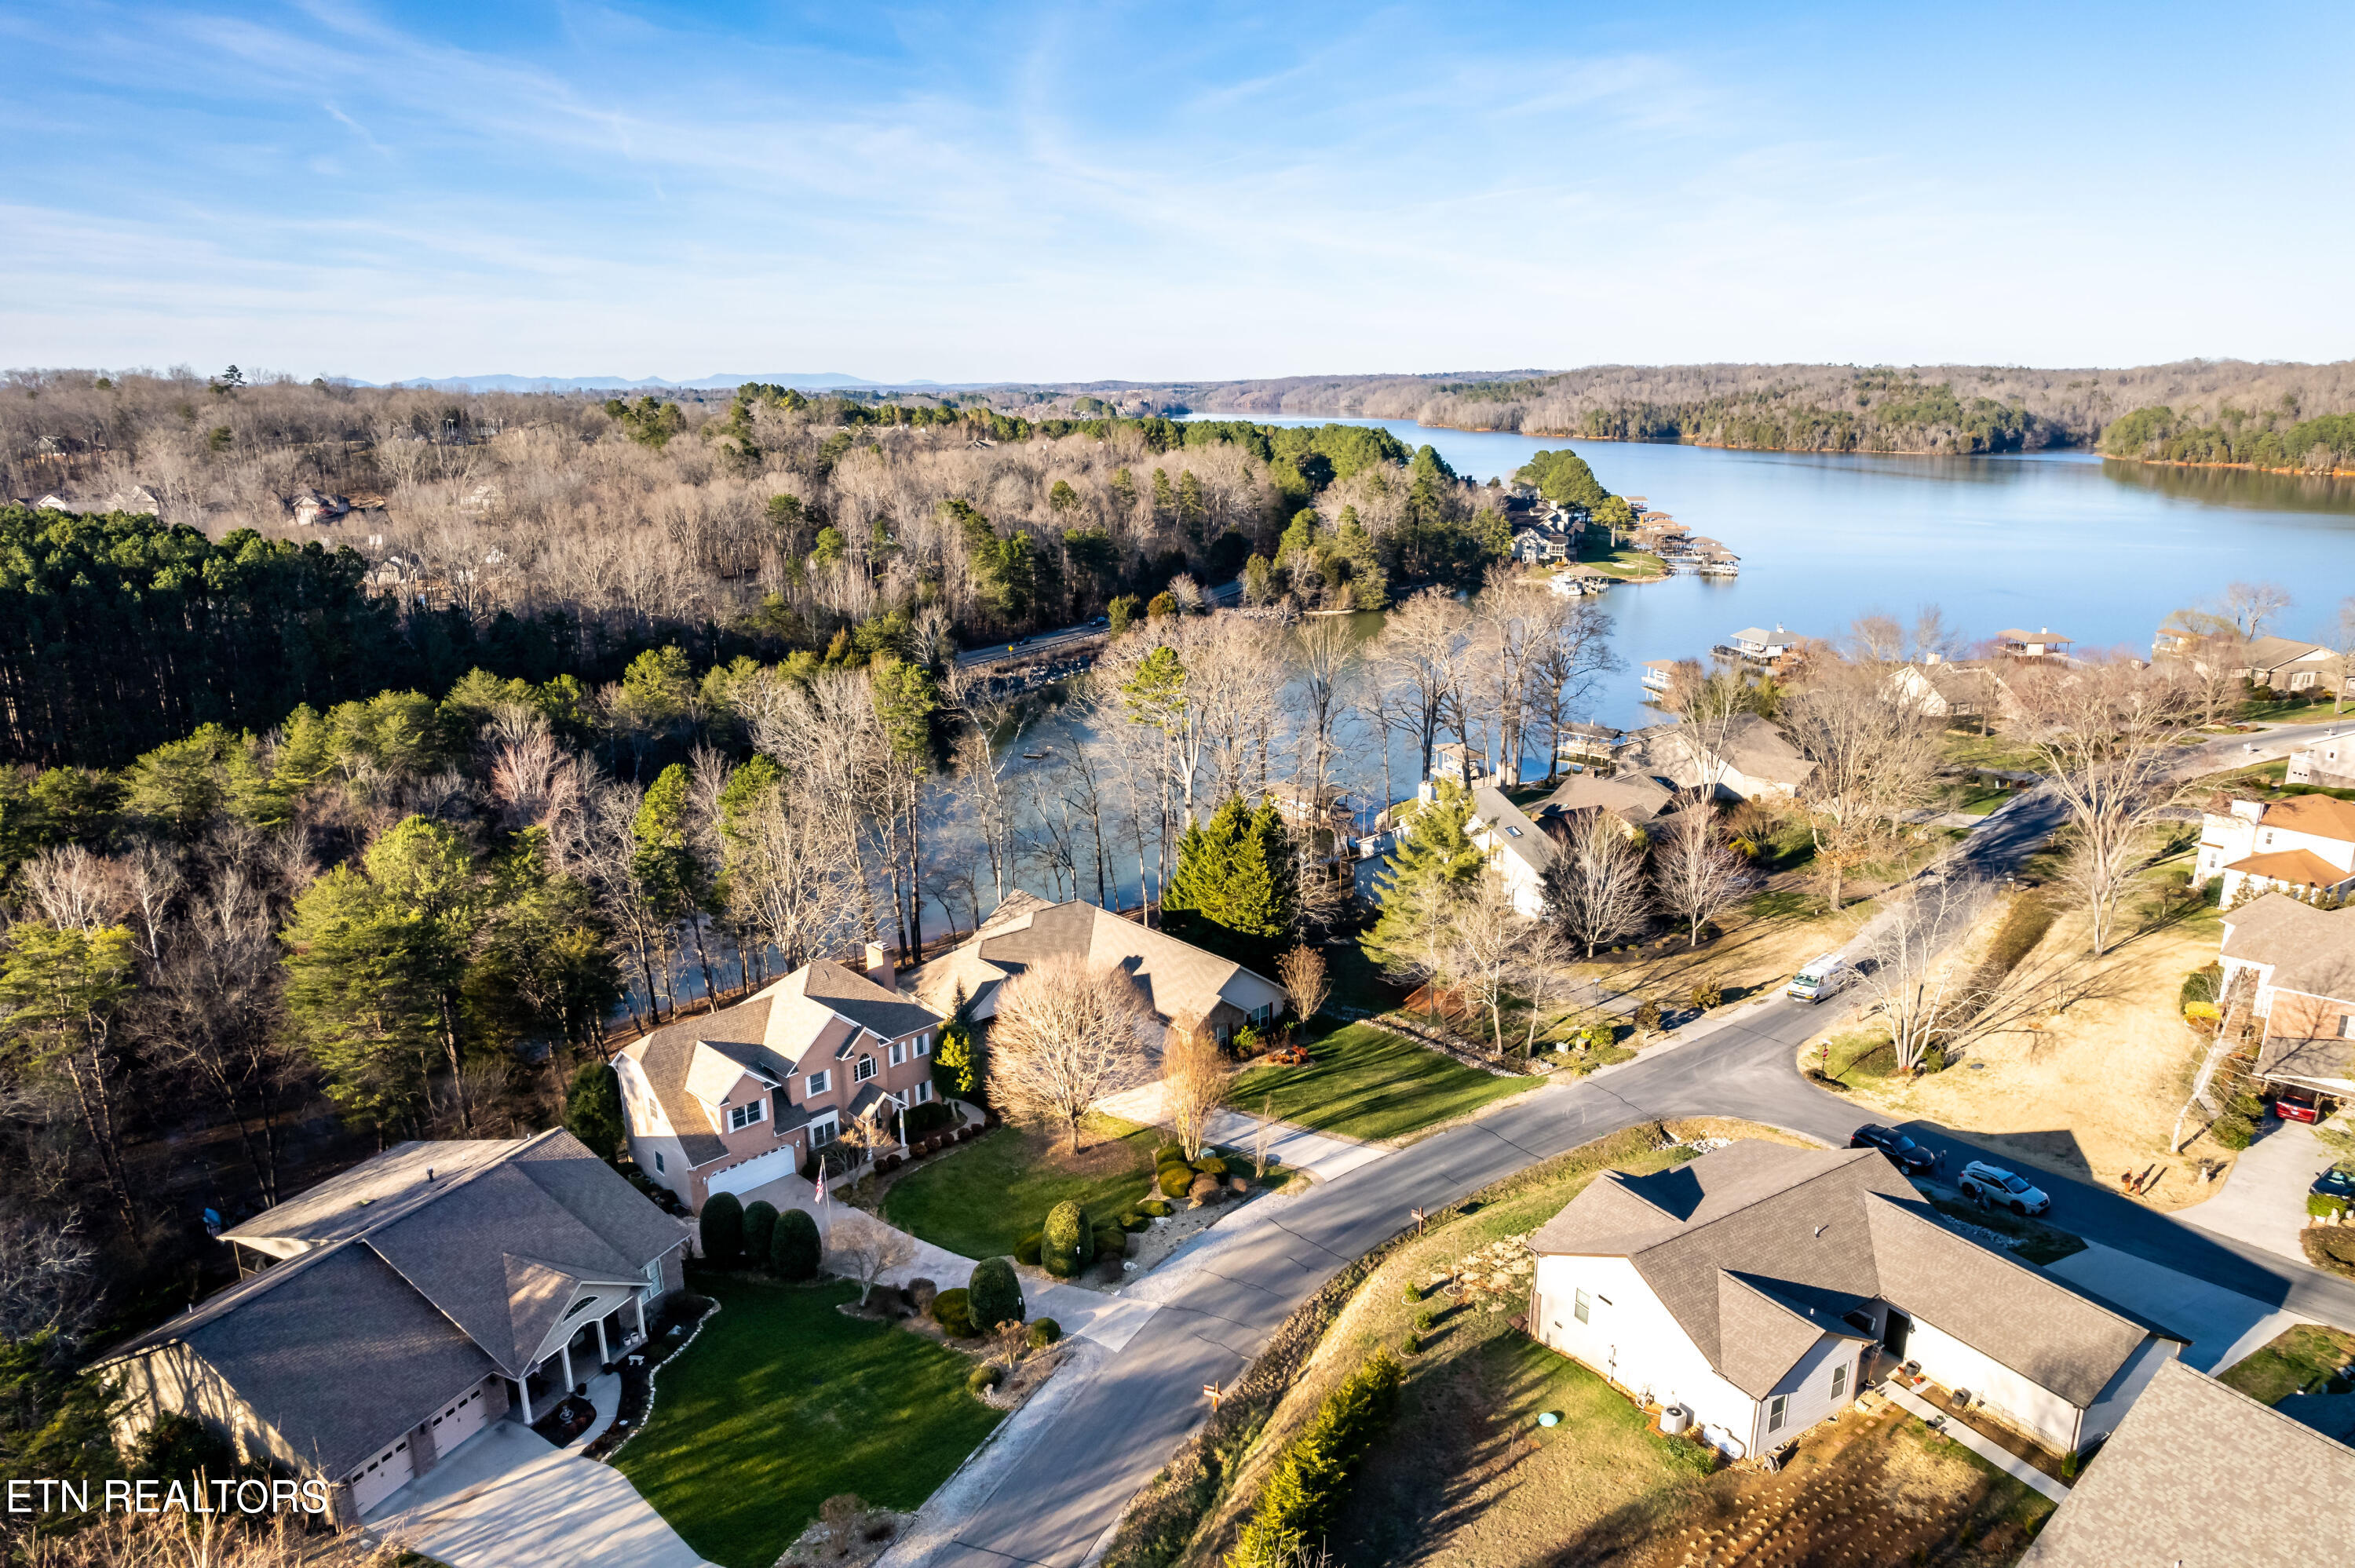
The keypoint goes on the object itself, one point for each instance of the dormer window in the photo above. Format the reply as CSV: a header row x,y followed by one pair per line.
x,y
864,1071
744,1116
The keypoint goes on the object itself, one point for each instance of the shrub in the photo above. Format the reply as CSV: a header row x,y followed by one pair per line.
x,y
1165,1153
920,1293
1707,994
178,1447
1247,1041
994,1295
1205,1189
760,1231
928,1116
592,1110
1648,1017
1044,1332
1110,1241
796,1248
1210,1165
1068,1242
950,1311
1154,1208
2200,985
1130,1220
1299,1499
2324,1206
2233,1131
983,1378
1174,1180
1411,1343
1422,1321
722,1230
1412,1292
1027,1249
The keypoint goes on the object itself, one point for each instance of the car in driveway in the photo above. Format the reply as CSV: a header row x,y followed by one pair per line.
x,y
2296,1104
1903,1152
2336,1183
1997,1188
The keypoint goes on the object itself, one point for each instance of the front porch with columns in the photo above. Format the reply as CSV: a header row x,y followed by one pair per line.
x,y
572,1357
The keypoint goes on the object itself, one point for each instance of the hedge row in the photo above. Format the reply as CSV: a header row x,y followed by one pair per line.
x,y
1300,1498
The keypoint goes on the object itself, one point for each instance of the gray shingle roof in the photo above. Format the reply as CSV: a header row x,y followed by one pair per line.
x,y
1181,981
666,1056
1805,1236
2310,951
1511,831
1631,796
2202,1475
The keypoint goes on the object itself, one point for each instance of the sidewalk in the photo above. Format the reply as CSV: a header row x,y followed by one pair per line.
x,y
1938,1421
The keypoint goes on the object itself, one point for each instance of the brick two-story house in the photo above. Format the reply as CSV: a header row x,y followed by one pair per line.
x,y
735,1100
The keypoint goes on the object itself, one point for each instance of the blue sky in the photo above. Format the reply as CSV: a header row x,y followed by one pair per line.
x,y
1165,191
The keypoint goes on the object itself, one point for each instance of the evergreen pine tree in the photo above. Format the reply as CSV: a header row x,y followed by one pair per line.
x,y
1435,861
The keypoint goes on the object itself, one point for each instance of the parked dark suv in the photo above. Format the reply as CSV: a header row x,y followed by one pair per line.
x,y
1903,1152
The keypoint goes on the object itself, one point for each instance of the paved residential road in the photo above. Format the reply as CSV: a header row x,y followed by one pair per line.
x,y
1057,1505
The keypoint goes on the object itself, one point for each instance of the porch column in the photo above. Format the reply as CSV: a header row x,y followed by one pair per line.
x,y
523,1395
605,1352
638,1300
564,1354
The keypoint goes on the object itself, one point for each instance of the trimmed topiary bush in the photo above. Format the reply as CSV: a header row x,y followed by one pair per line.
x,y
1166,1152
1130,1220
1044,1332
1174,1180
994,1295
1110,1241
796,1248
760,1231
1412,1292
951,1312
1068,1242
1210,1165
983,1378
1027,1249
1154,1208
721,1230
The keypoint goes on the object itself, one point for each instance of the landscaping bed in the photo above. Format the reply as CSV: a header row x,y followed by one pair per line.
x,y
1370,1085
980,1199
681,1312
2031,1241
782,1402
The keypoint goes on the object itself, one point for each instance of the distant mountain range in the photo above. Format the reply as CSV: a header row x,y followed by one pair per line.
x,y
808,382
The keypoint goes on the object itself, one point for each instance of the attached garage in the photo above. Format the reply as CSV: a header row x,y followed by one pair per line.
x,y
757,1172
381,1477
462,1419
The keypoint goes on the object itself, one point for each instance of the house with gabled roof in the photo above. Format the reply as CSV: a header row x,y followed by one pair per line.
x,y
1757,1286
735,1100
404,1306
2295,963
1183,986
2304,845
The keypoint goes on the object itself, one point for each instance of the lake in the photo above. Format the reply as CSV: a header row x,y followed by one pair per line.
x,y
2097,549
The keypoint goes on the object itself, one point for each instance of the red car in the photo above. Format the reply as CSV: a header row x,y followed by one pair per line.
x,y
2296,1104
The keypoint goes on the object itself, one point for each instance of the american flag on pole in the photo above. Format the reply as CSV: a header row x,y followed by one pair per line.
x,y
821,1182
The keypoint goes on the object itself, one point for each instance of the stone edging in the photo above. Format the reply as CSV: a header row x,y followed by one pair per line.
x,y
647,1414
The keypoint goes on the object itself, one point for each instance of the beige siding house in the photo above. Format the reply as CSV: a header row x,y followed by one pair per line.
x,y
404,1306
2304,845
1756,1285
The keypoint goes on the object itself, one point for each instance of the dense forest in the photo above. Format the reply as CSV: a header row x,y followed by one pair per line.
x,y
2193,411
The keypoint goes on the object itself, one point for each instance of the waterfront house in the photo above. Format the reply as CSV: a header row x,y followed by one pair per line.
x,y
2294,965
728,1101
2304,845
1538,544
401,1307
1518,850
2278,663
1660,675
1747,758
1757,645
1183,986
1638,800
1758,1286
1953,691
2174,1487
2045,643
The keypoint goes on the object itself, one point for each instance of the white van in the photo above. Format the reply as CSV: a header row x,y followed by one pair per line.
x,y
1820,980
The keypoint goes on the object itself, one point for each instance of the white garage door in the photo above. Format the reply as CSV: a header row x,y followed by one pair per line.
x,y
758,1172
461,1420
381,1477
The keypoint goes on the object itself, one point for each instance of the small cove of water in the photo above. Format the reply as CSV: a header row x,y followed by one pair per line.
x,y
2097,549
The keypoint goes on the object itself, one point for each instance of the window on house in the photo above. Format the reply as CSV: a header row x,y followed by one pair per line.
x,y
580,1306
923,1045
744,1116
1777,1409
1580,1307
2347,1026
821,1134
864,1071
820,1082
658,1160
899,1052
921,1095
1839,1381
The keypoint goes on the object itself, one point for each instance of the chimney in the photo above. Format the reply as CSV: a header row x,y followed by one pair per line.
x,y
883,964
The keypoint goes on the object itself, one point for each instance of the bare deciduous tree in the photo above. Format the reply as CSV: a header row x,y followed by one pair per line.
x,y
1194,1076
1905,966
1490,944
1874,752
45,1276
1695,873
1064,1035
1302,970
1595,888
860,1246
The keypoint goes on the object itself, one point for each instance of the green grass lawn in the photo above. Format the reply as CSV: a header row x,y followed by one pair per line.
x,y
2298,1356
1866,1056
979,1200
781,1403
1368,1084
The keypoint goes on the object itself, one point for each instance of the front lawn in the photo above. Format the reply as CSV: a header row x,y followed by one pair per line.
x,y
2301,1356
781,1403
1368,1084
979,1200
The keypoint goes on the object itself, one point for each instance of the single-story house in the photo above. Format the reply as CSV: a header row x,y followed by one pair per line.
x,y
2304,845
1944,689
2281,663
1750,1285
734,1099
2298,964
1183,986
1749,758
2172,1487
1635,799
406,1304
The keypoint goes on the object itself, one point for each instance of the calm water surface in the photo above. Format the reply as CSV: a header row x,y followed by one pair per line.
x,y
2100,551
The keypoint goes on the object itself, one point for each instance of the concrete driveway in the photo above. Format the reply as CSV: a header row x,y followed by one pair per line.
x,y
2222,1325
506,1497
2262,1200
